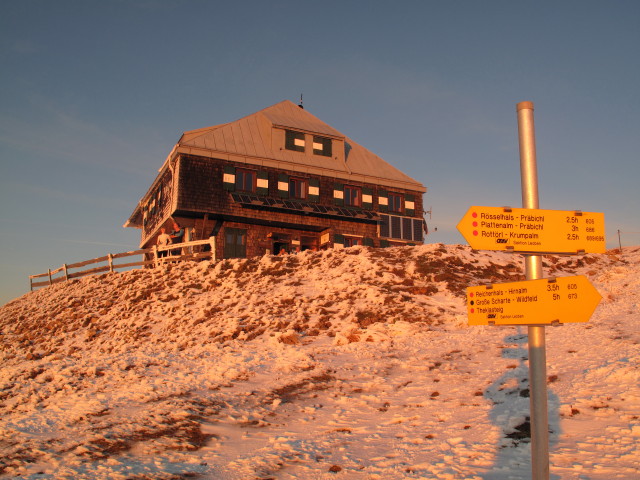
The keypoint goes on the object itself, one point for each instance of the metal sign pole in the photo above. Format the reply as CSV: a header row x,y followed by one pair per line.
x,y
533,269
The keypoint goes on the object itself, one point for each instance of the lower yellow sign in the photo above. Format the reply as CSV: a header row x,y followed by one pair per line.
x,y
533,302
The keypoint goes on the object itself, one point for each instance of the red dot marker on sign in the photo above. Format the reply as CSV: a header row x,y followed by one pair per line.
x,y
475,233
475,224
474,215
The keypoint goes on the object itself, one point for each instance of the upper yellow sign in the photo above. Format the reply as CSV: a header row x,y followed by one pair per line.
x,y
533,302
528,230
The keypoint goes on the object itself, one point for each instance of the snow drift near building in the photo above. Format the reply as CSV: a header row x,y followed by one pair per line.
x,y
342,364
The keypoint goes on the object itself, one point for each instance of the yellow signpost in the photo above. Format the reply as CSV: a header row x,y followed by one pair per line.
x,y
538,301
545,301
528,230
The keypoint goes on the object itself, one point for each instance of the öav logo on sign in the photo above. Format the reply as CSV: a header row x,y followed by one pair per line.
x,y
501,240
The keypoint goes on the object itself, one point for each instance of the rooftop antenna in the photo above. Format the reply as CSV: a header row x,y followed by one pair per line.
x,y
300,104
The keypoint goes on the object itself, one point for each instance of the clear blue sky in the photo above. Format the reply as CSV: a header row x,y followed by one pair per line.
x,y
94,94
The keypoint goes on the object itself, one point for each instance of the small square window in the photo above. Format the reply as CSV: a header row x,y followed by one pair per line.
x,y
322,146
294,141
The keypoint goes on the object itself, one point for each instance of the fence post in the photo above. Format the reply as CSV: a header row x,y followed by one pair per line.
x,y
110,259
155,255
66,272
212,242
49,272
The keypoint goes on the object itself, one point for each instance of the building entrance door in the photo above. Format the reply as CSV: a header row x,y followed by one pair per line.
x,y
235,243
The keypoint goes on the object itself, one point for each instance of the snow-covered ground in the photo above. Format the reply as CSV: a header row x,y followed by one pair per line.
x,y
342,364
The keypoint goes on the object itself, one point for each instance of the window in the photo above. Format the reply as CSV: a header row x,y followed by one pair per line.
x,y
322,146
395,202
396,227
245,180
314,190
297,188
367,198
352,241
401,228
235,243
294,141
352,196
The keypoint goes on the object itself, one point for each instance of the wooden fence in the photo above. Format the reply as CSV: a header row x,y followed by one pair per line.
x,y
150,256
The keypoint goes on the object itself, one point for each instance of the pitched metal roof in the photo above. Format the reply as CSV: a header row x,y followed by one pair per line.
x,y
249,140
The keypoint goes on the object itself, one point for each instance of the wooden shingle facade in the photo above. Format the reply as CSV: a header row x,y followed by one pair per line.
x,y
280,180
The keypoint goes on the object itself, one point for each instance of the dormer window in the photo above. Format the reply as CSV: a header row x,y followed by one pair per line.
x,y
322,146
294,141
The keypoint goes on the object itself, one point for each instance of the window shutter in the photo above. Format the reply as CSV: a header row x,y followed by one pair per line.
x,y
367,198
383,200
367,242
409,205
283,185
262,185
229,178
314,190
338,194
338,239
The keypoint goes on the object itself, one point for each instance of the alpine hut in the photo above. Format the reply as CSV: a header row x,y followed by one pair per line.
x,y
279,180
